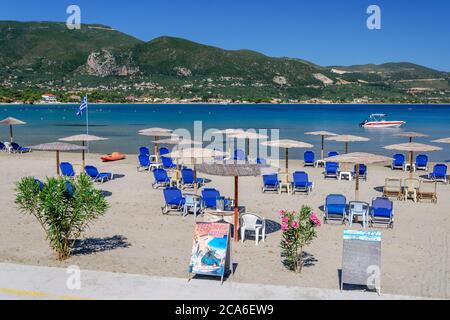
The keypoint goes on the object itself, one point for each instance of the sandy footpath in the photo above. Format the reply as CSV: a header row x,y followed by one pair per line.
x,y
134,237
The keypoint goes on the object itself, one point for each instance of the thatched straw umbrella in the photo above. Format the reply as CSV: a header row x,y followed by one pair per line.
x,y
412,147
156,133
228,133
10,121
358,158
179,141
232,170
346,138
323,134
58,147
195,154
83,138
443,140
411,135
248,135
287,144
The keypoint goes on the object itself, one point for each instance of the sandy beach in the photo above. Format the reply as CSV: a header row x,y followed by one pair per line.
x,y
135,237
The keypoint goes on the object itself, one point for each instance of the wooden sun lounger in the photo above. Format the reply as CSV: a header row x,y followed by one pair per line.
x,y
427,191
393,188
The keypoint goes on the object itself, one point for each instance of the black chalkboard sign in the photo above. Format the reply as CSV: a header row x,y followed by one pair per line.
x,y
361,259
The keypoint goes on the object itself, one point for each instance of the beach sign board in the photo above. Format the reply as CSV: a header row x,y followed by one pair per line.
x,y
211,250
361,259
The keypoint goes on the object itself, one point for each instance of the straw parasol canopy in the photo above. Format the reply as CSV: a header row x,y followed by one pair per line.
x,y
156,133
323,134
232,170
195,154
178,140
287,144
412,147
358,158
443,140
10,121
411,135
248,135
346,138
58,147
83,138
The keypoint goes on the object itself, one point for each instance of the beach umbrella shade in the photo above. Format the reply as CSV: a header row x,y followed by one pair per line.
x,y
443,140
411,135
232,170
347,138
287,144
10,121
195,154
156,133
412,147
58,147
358,158
228,133
323,134
83,138
248,136
180,141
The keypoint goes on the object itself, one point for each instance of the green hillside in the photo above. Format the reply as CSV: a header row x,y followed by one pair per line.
x,y
37,57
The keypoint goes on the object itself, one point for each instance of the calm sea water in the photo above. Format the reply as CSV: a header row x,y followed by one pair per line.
x,y
120,123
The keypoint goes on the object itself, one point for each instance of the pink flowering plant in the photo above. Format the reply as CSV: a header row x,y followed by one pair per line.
x,y
299,229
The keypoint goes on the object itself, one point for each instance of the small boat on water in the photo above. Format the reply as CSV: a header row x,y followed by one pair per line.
x,y
378,120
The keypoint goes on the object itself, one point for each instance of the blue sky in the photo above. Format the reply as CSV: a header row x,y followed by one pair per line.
x,y
324,32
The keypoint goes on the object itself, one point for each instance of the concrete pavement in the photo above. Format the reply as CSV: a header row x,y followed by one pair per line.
x,y
33,282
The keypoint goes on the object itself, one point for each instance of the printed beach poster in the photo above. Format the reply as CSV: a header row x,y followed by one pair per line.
x,y
209,250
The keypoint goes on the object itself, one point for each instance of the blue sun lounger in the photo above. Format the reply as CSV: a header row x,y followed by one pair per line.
x,y
270,182
421,162
97,176
174,200
210,196
146,164
167,163
382,212
439,173
398,162
301,182
362,172
144,151
309,158
161,179
335,208
332,154
331,170
18,149
67,170
187,179
239,155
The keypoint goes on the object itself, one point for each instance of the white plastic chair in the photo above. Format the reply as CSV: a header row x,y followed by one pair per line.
x,y
8,147
255,224
359,208
192,202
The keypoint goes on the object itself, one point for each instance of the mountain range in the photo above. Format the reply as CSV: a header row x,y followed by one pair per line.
x,y
38,57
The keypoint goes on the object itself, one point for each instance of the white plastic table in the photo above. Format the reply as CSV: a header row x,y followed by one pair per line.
x,y
346,174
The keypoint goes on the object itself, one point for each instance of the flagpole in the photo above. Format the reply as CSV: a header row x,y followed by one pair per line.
x,y
87,120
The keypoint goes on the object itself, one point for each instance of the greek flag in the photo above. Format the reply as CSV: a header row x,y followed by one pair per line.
x,y
82,106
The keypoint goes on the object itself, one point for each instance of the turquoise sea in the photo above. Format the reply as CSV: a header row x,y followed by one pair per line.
x,y
120,123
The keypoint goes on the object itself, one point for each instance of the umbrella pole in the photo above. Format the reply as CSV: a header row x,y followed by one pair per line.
x,y
57,162
346,147
247,147
411,155
195,177
11,134
236,208
322,150
357,182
